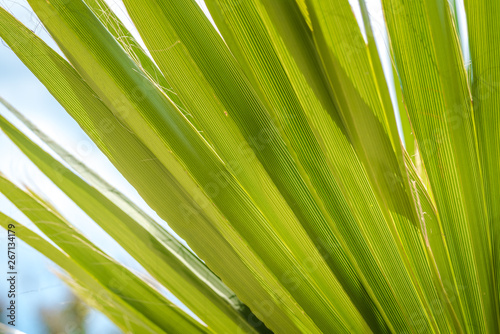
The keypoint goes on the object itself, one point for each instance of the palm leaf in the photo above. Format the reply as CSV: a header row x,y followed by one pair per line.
x,y
166,264
270,146
135,292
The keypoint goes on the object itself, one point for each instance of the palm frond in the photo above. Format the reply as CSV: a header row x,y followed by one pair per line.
x,y
269,143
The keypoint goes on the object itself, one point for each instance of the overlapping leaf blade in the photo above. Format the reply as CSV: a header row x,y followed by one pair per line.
x,y
125,317
300,117
132,290
484,40
125,204
179,205
439,105
164,265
